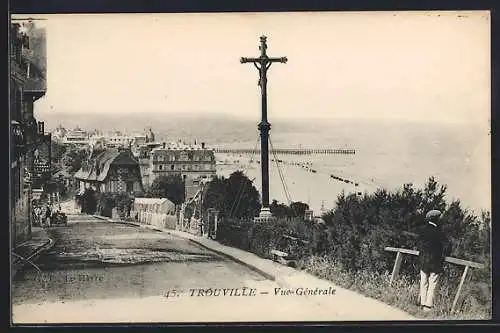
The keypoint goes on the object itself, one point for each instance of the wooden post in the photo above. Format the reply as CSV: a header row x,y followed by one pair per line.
x,y
456,261
457,296
396,268
216,222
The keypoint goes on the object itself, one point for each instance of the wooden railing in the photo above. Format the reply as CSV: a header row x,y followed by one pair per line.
x,y
399,258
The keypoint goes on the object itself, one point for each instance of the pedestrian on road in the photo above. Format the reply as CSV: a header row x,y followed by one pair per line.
x,y
433,247
35,216
39,217
48,214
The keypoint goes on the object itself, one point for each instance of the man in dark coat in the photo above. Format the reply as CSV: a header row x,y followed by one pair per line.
x,y
433,246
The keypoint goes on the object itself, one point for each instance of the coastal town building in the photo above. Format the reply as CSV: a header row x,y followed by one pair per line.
x,y
27,85
112,139
76,136
191,162
138,141
116,139
114,170
59,133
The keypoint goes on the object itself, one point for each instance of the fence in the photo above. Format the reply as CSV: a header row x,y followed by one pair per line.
x,y
191,225
160,220
461,262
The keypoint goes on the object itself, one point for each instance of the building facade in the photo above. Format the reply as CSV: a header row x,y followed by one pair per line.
x,y
112,171
27,84
59,133
76,136
191,162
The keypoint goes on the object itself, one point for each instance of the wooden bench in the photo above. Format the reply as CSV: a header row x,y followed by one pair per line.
x,y
399,258
280,256
284,257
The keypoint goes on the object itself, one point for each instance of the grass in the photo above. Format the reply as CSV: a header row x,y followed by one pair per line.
x,y
474,304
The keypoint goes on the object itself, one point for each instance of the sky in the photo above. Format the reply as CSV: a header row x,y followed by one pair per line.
x,y
431,66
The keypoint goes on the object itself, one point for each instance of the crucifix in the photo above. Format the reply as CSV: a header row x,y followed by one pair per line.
x,y
262,64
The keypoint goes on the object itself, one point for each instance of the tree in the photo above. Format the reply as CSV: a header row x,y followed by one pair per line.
x,y
243,196
279,210
73,158
57,150
171,187
298,209
295,209
361,227
105,205
215,195
234,197
89,201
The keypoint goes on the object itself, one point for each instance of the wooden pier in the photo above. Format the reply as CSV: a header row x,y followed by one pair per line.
x,y
289,151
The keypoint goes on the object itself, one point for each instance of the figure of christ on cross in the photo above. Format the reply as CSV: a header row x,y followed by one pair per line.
x,y
263,63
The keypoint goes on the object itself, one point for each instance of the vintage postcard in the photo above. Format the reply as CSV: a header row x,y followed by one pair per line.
x,y
250,167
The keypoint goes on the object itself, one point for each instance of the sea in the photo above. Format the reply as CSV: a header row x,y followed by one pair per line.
x,y
388,154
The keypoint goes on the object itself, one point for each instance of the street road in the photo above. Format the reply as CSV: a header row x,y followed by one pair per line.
x,y
100,271
105,272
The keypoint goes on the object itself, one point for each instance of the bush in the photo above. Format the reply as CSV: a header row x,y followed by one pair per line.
x,y
121,201
106,204
233,197
171,187
88,201
261,238
236,233
349,248
361,227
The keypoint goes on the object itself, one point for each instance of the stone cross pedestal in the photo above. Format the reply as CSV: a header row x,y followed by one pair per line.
x,y
264,216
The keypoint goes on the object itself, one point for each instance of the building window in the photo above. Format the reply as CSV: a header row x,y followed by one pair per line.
x,y
172,167
160,167
130,186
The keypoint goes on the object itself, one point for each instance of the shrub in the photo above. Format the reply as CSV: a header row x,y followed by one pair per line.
x,y
361,227
171,187
349,248
121,201
233,197
105,205
88,201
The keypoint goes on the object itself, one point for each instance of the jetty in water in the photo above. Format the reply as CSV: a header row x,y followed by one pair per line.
x,y
288,151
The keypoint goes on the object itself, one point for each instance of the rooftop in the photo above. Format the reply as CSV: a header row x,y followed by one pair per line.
x,y
97,168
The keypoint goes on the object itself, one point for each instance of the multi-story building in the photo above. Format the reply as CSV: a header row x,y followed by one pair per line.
x,y
76,136
27,84
117,139
191,162
59,133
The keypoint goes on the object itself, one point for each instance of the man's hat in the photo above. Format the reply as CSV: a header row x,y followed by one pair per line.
x,y
433,215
